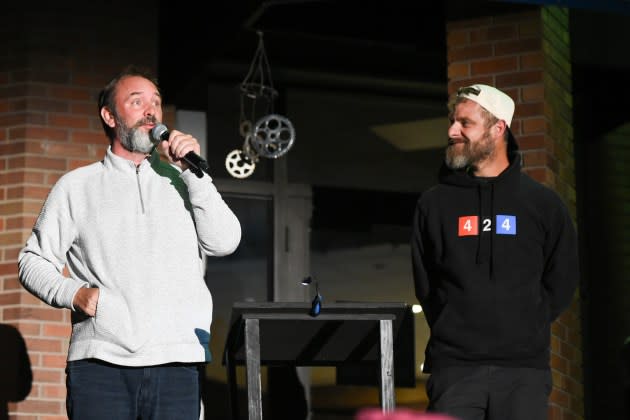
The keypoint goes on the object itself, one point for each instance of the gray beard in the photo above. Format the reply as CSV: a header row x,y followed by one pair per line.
x,y
134,140
456,161
471,154
137,141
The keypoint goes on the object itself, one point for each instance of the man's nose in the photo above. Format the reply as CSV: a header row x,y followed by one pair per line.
x,y
453,130
150,110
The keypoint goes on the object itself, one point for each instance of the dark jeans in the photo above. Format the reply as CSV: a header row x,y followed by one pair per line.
x,y
103,391
490,393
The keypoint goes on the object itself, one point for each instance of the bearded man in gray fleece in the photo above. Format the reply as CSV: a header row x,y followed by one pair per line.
x,y
132,230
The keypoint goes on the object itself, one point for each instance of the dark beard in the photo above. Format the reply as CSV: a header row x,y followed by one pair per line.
x,y
133,139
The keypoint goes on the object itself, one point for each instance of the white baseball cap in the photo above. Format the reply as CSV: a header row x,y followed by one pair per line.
x,y
492,99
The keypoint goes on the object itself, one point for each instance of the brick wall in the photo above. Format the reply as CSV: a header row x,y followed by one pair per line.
x,y
526,54
53,61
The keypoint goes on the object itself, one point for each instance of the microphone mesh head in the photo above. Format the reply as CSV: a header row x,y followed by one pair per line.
x,y
159,133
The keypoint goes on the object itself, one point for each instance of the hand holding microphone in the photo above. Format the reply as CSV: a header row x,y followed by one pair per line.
x,y
196,163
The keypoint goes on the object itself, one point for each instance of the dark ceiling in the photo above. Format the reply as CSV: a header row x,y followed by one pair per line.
x,y
387,40
335,43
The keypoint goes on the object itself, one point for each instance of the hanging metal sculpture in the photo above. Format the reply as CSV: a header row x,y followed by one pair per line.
x,y
265,133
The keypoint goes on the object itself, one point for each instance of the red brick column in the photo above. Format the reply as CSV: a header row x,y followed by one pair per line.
x,y
526,54
53,61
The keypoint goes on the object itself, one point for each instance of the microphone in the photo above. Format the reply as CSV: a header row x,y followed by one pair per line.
x,y
160,133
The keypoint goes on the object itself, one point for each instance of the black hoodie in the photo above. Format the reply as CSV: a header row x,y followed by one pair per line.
x,y
494,264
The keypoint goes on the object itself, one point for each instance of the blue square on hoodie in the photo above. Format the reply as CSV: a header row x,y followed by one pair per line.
x,y
506,225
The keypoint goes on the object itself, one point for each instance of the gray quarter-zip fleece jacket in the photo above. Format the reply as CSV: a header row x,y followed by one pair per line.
x,y
139,235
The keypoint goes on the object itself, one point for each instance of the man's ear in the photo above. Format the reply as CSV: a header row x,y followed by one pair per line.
x,y
501,128
108,117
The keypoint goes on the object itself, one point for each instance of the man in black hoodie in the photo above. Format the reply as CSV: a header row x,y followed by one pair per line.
x,y
495,263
